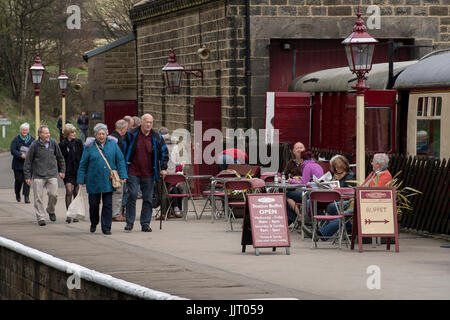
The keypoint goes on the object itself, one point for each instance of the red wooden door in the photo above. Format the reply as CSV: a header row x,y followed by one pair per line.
x,y
117,109
209,112
291,116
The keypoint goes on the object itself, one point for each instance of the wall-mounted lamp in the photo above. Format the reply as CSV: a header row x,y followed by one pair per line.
x,y
174,72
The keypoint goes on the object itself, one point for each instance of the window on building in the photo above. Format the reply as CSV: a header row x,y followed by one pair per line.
x,y
428,139
378,133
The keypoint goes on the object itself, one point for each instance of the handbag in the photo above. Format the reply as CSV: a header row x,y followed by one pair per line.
x,y
114,176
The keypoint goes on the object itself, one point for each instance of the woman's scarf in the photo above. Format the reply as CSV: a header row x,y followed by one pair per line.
x,y
27,139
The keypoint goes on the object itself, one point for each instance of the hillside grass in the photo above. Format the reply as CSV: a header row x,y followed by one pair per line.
x,y
10,109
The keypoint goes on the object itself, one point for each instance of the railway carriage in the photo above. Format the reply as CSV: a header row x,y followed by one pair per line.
x,y
412,117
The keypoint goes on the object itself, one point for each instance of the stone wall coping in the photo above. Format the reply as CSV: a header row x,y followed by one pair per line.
x,y
102,279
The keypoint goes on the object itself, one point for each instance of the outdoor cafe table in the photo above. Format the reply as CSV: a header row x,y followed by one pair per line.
x,y
254,183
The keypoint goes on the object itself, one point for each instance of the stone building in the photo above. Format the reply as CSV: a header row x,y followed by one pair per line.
x,y
112,82
262,45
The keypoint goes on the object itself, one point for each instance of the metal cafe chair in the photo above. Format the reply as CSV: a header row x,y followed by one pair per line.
x,y
325,196
347,194
218,195
174,179
235,185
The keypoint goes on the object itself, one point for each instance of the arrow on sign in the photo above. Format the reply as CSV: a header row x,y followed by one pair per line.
x,y
368,221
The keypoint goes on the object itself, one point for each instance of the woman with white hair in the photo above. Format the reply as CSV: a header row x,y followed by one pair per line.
x,y
99,154
380,174
19,148
72,149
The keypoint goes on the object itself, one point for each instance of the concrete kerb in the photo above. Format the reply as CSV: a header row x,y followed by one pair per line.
x,y
102,279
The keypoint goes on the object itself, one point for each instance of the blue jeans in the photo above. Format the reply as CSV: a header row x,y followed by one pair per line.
x,y
177,202
94,209
297,197
146,185
83,135
125,195
333,226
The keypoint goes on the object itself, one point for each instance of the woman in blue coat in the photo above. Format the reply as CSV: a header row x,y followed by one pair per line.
x,y
19,148
94,172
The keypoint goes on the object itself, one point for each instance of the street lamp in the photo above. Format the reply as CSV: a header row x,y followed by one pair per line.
x,y
359,47
63,86
174,71
37,72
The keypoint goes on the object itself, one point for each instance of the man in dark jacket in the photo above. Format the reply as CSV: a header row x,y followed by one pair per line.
x,y
146,156
83,125
19,148
43,162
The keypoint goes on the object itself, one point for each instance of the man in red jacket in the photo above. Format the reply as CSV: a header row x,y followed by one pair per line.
x,y
230,156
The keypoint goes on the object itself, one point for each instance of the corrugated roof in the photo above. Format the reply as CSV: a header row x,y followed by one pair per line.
x,y
432,71
89,54
342,79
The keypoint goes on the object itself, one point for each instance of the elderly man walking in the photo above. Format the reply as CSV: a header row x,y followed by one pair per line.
x,y
117,196
43,162
146,157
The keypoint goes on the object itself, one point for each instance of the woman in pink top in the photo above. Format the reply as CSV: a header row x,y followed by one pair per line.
x,y
309,168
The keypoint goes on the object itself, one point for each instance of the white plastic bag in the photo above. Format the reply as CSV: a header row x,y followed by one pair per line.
x,y
76,208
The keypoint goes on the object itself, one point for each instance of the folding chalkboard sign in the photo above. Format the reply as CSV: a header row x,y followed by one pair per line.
x,y
375,215
265,222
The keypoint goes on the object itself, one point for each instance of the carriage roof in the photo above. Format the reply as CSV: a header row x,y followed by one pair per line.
x,y
430,71
342,79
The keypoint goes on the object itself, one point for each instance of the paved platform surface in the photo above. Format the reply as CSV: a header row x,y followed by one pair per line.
x,y
198,259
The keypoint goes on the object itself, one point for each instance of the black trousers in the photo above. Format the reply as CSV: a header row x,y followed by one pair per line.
x,y
19,180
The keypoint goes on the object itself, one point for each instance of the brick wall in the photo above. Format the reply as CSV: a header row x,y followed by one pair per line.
x,y
22,278
112,76
212,25
220,25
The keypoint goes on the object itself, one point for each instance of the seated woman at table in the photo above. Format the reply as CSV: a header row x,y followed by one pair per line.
x,y
309,168
340,169
174,165
379,177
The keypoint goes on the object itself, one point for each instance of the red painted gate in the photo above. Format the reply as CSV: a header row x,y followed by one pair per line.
x,y
117,109
209,112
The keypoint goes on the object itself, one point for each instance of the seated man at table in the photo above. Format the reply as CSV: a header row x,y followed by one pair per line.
x,y
230,156
293,170
379,177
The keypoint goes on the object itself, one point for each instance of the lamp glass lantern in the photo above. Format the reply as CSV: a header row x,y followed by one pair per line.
x,y
37,71
63,79
173,72
359,47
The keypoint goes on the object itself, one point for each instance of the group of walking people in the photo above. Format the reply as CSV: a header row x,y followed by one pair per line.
x,y
135,150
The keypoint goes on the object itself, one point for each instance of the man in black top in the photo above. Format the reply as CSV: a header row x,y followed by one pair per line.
x,y
83,124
